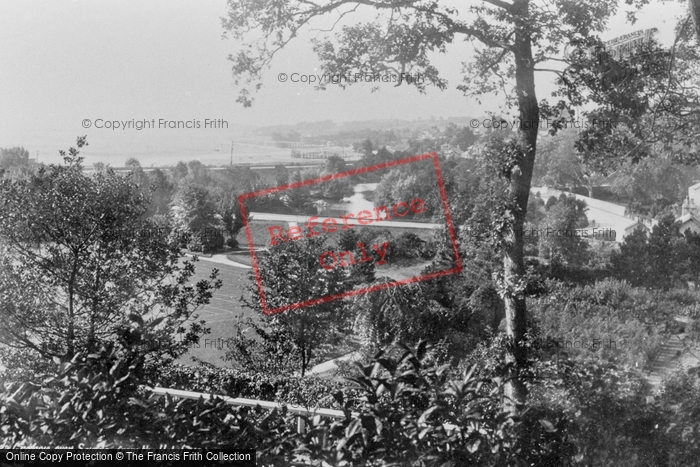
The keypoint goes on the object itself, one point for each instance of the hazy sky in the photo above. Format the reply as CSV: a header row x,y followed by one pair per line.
x,y
63,61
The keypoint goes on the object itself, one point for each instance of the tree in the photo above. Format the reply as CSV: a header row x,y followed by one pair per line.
x,y
132,163
632,263
402,185
334,165
281,175
694,7
198,215
271,350
297,199
464,138
648,102
15,163
665,246
560,240
291,273
398,186
653,260
560,165
161,193
400,315
653,181
138,175
337,188
198,172
233,219
13,157
82,266
516,36
224,188
179,171
692,253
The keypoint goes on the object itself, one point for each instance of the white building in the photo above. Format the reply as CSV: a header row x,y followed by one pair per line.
x,y
690,211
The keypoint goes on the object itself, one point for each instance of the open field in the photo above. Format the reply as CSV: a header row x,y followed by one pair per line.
x,y
258,230
222,313
240,256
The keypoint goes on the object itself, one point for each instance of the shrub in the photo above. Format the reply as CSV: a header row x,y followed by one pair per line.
x,y
600,415
609,319
407,245
403,404
307,391
403,423
97,401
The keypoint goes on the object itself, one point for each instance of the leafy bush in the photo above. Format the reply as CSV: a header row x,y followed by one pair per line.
x,y
584,412
680,398
306,391
404,314
600,414
408,404
608,319
580,413
428,250
407,245
97,401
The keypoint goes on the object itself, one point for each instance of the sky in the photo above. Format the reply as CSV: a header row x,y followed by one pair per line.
x,y
63,62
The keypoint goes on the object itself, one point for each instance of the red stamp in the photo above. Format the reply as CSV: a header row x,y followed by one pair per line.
x,y
314,226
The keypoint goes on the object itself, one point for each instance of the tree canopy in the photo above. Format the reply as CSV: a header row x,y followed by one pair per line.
x,y
512,42
82,266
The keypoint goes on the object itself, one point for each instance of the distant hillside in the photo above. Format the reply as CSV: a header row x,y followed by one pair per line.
x,y
328,127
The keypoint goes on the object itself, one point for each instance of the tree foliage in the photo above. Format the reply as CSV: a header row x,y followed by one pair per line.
x,y
560,239
80,263
513,40
658,259
291,274
198,215
13,157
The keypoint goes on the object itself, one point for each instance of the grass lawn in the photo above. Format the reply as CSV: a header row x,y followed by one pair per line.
x,y
225,310
221,314
240,256
258,229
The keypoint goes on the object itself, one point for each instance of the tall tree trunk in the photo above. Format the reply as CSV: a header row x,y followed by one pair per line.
x,y
694,6
518,194
70,333
92,340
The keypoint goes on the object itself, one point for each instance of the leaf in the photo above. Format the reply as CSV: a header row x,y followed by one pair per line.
x,y
352,428
548,426
156,321
136,318
115,367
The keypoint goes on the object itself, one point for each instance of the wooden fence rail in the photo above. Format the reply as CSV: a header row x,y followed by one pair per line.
x,y
301,426
299,411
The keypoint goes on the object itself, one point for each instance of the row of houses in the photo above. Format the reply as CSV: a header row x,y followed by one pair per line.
x,y
689,218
